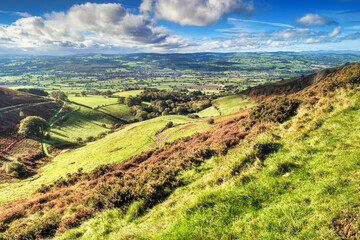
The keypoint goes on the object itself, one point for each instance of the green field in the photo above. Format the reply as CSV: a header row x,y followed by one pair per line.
x,y
118,110
93,100
128,93
74,74
209,112
287,168
234,103
227,105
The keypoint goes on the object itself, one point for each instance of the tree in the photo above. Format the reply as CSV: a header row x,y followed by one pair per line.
x,y
59,96
33,126
108,93
131,101
121,100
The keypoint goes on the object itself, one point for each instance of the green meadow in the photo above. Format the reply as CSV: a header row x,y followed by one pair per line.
x,y
93,100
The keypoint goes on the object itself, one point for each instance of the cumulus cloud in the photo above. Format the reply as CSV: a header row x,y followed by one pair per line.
x,y
312,19
195,12
84,26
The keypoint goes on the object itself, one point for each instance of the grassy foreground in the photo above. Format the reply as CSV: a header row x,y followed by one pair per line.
x,y
308,189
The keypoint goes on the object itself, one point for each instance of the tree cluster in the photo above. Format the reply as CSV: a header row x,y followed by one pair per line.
x,y
165,102
34,91
59,96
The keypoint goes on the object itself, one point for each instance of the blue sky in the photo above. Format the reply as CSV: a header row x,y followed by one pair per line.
x,y
73,26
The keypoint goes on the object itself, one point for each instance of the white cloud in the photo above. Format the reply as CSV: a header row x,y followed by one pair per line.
x,y
195,12
312,19
23,14
285,39
84,26
335,32
261,22
290,33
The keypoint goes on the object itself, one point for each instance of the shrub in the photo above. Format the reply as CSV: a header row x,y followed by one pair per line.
x,y
193,116
14,168
278,109
211,121
90,139
169,125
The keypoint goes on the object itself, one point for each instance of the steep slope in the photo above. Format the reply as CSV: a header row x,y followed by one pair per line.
x,y
14,106
251,176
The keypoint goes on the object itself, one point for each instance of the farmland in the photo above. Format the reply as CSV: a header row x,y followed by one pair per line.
x,y
209,72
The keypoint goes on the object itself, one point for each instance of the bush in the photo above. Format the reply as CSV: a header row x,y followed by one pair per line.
x,y
211,121
169,125
193,116
14,168
278,109
90,139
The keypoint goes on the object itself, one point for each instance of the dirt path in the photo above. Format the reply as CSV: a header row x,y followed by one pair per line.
x,y
21,105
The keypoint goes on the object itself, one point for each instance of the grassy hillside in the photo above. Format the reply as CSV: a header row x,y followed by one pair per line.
x,y
78,122
115,147
118,110
234,103
285,168
227,105
307,188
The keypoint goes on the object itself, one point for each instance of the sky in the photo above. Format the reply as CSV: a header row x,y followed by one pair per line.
x,y
62,27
